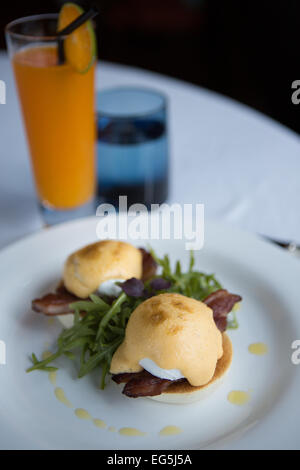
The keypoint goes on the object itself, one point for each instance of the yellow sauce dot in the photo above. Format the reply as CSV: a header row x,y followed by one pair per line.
x,y
51,321
82,414
60,395
52,377
131,432
99,423
170,431
46,354
258,348
237,397
112,429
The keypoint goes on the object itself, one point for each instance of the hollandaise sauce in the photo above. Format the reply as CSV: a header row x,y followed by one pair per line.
x,y
46,354
82,414
99,423
131,432
52,377
260,349
238,397
170,431
60,395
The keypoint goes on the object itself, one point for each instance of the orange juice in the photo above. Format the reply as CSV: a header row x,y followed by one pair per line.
x,y
59,114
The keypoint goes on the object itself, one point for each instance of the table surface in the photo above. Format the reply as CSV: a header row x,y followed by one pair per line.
x,y
242,165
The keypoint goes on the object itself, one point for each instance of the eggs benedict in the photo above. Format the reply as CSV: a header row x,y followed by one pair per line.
x,y
173,350
101,263
97,268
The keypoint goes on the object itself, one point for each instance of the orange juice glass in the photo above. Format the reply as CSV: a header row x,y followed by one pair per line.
x,y
58,109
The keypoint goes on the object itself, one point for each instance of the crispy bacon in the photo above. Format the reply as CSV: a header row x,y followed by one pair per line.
x,y
124,377
56,303
221,302
142,384
149,265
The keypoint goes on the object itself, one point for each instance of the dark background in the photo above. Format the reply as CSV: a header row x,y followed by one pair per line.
x,y
249,51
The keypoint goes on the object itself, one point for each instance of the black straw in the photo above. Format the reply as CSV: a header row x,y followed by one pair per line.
x,y
87,15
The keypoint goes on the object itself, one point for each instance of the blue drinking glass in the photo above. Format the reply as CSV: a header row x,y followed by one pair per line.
x,y
132,146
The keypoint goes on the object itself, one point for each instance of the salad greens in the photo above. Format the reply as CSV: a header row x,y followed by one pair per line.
x,y
98,333
191,283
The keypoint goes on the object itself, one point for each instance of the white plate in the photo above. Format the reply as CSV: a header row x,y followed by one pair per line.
x,y
266,277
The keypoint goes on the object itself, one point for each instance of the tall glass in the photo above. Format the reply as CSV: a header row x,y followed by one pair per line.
x,y
58,108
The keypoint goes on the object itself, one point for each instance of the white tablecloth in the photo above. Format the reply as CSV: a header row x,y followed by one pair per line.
x,y
243,166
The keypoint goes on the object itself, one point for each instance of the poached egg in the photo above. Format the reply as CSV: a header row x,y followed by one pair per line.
x,y
151,367
110,288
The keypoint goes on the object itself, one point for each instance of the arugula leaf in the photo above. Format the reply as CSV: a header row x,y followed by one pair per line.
x,y
193,283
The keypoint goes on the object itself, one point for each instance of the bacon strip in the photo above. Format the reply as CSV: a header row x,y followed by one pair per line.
x,y
55,303
221,302
124,377
142,384
149,265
